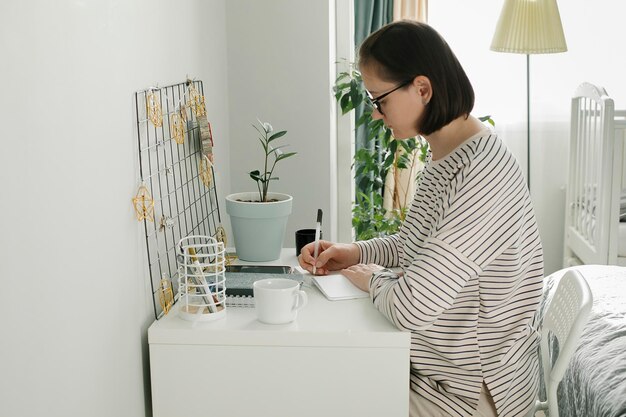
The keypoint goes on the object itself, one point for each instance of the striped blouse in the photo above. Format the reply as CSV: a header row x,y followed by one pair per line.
x,y
473,268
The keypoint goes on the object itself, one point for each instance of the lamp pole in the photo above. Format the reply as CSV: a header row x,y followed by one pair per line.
x,y
529,27
528,120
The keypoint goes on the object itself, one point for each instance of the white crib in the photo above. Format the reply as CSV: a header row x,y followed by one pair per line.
x,y
596,181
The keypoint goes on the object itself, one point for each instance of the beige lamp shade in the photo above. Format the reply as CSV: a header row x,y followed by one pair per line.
x,y
529,27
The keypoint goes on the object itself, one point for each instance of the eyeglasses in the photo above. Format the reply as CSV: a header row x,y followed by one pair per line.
x,y
375,102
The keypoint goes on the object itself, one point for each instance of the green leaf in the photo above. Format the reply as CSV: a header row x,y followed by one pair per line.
x,y
363,119
354,93
403,157
393,146
356,98
388,160
345,104
487,119
264,145
255,175
285,156
342,76
277,135
261,132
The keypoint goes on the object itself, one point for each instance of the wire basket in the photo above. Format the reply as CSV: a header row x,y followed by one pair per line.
x,y
201,280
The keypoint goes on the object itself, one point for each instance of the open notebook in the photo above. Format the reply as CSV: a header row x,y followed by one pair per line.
x,y
335,286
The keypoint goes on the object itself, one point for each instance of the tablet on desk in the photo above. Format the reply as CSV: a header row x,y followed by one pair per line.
x,y
261,269
240,278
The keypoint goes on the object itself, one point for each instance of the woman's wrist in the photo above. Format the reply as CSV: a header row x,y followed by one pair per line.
x,y
356,253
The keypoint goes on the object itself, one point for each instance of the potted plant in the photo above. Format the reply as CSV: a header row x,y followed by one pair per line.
x,y
259,218
379,155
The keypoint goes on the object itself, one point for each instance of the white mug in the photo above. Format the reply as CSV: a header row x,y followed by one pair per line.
x,y
277,300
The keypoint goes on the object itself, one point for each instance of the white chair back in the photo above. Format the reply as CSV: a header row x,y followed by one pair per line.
x,y
565,317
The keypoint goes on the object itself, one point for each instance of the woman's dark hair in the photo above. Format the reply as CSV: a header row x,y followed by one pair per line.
x,y
403,50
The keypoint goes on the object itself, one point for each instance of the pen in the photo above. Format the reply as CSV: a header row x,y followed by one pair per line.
x,y
318,229
204,286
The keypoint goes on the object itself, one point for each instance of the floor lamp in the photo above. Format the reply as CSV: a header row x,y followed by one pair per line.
x,y
529,27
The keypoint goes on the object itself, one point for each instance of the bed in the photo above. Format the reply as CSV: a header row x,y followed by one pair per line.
x,y
596,191
594,384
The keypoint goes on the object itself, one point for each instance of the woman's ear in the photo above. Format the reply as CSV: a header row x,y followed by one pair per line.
x,y
424,88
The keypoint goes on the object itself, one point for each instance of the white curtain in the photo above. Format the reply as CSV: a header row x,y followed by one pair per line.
x,y
410,9
400,184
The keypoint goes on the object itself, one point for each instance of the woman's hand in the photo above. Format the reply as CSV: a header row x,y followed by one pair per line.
x,y
360,274
331,256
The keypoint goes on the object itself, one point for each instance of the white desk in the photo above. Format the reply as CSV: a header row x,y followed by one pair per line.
x,y
339,358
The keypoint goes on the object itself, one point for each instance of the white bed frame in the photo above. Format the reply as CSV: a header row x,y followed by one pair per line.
x,y
596,179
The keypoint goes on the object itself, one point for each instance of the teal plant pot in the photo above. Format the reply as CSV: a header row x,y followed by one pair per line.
x,y
258,228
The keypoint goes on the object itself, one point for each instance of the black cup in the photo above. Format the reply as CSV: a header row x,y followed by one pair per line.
x,y
304,237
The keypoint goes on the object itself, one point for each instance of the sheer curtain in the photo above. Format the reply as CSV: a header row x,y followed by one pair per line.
x,y
410,9
400,183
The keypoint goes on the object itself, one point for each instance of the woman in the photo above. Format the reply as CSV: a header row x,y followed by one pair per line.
x,y
469,251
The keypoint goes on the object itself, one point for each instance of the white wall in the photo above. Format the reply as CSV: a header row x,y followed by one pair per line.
x,y
75,296
594,34
279,70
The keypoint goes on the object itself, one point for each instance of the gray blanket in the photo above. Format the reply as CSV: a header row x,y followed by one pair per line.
x,y
595,382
